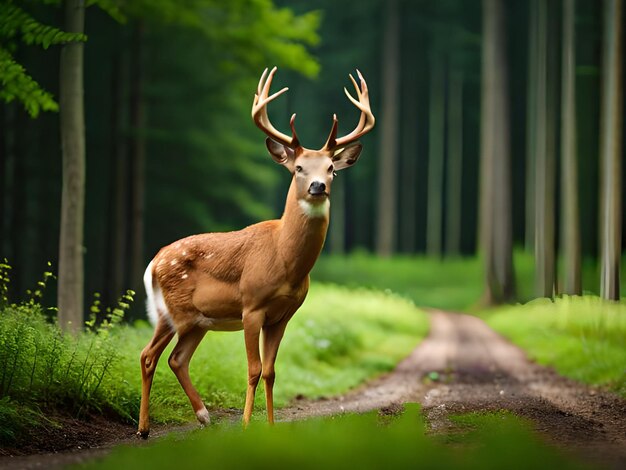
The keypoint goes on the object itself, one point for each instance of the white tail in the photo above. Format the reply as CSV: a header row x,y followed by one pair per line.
x,y
253,279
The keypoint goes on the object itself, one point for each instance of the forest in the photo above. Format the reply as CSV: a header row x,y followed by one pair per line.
x,y
169,149
491,184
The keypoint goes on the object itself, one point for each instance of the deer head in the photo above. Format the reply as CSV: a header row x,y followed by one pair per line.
x,y
312,170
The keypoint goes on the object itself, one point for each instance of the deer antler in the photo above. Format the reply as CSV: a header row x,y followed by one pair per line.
x,y
259,112
366,121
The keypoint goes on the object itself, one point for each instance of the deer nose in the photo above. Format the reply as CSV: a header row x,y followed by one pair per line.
x,y
317,188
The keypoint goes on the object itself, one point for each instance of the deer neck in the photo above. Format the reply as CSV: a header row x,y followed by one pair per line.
x,y
302,234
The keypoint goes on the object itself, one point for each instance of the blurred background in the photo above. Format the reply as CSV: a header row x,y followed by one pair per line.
x,y
171,149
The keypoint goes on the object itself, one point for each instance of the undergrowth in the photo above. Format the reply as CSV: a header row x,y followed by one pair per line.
x,y
43,371
581,337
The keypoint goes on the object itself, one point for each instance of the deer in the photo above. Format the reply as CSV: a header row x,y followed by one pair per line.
x,y
253,279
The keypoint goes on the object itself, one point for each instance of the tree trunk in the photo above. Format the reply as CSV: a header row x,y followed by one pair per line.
x,y
436,132
570,224
138,164
611,151
3,177
495,225
544,164
71,275
116,248
455,162
337,228
531,127
410,154
387,219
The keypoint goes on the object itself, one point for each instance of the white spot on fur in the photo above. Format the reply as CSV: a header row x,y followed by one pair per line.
x,y
174,261
184,253
314,210
185,276
209,256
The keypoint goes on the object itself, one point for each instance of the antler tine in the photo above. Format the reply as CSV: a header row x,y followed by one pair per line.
x,y
259,111
366,120
331,142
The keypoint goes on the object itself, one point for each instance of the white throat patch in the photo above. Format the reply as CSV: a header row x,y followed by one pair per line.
x,y
315,210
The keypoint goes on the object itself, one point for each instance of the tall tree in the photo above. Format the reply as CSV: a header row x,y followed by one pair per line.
x,y
544,160
137,161
611,151
71,275
495,224
117,240
387,219
455,160
570,224
436,132
531,126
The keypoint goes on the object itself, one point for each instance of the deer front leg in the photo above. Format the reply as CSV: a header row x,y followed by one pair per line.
x,y
163,334
272,335
252,323
179,363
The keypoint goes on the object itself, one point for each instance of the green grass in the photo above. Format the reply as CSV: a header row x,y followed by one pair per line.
x,y
484,441
339,338
451,284
581,337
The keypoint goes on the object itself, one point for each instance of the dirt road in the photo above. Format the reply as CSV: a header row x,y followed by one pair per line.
x,y
476,369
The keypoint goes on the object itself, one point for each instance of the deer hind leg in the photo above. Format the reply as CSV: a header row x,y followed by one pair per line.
x,y
252,323
179,363
272,335
163,334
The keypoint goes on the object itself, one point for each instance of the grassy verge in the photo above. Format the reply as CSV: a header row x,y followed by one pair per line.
x,y
581,337
339,338
489,441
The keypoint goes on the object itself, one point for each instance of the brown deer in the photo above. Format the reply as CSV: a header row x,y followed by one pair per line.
x,y
253,279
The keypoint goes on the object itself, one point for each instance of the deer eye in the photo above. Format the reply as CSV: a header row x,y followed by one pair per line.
x,y
298,168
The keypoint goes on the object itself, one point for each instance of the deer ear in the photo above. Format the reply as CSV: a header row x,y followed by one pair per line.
x,y
281,154
347,156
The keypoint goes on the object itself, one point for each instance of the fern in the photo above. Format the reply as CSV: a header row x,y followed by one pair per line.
x,y
14,21
16,25
17,84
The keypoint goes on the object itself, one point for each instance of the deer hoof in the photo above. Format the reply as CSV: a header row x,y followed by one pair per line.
x,y
143,434
203,417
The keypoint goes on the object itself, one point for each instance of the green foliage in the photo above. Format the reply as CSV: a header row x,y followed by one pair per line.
x,y
251,32
18,85
40,367
17,25
494,441
581,337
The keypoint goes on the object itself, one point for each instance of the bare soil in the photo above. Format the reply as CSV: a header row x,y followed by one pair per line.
x,y
462,366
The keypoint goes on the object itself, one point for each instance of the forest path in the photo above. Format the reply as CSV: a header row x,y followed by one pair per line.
x,y
476,370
